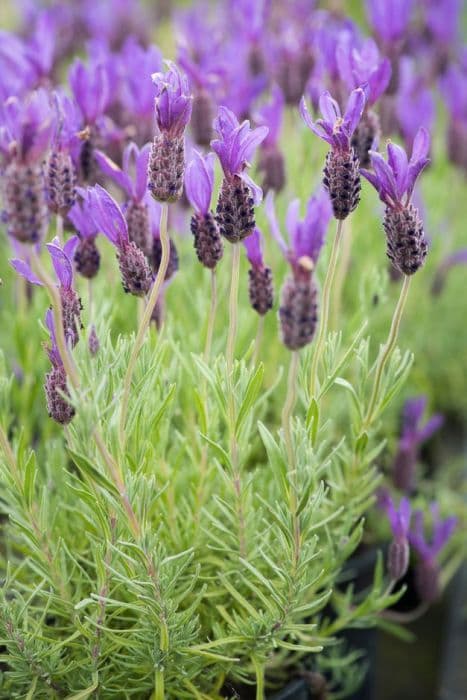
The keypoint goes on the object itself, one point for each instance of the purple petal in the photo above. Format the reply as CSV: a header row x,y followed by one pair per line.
x,y
199,181
397,159
421,145
354,110
62,264
329,108
141,183
254,248
412,413
107,215
385,176
112,170
256,191
23,269
371,177
430,427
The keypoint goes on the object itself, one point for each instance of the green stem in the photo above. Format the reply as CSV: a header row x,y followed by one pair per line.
x,y
386,350
159,691
59,228
259,672
325,304
211,317
341,274
258,341
287,413
145,321
233,307
54,296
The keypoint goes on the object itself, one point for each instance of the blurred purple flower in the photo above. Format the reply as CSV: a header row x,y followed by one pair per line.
x,y
415,106
271,115
260,282
390,18
91,90
336,129
137,64
307,235
254,248
360,62
457,258
427,571
443,19
399,520
413,435
26,127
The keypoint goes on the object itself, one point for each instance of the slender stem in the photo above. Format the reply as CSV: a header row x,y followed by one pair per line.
x,y
59,228
259,672
387,349
341,274
159,691
145,321
291,463
233,307
325,303
258,341
90,302
211,317
10,457
54,295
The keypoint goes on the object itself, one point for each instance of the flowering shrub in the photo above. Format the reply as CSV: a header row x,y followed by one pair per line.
x,y
183,499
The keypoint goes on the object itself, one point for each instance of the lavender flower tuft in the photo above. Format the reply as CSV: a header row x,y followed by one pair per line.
x,y
399,551
341,171
56,388
199,184
260,288
173,111
238,196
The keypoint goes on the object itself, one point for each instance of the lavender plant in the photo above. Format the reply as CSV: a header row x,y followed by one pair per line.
x,y
182,527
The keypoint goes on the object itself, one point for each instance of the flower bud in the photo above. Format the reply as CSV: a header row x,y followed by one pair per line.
x,y
71,312
58,407
156,259
134,269
405,239
87,257
166,167
93,342
260,289
139,228
342,180
207,239
24,201
60,182
298,313
368,130
271,164
235,213
202,116
398,558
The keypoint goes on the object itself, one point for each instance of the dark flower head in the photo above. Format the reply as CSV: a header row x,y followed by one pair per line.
x,y
360,62
441,532
306,236
91,90
336,129
199,181
27,127
236,143
390,18
395,179
271,115
132,177
52,349
173,101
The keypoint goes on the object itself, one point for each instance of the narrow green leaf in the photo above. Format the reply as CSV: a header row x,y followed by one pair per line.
x,y
251,394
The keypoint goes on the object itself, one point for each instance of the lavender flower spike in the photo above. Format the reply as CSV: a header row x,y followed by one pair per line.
x,y
55,381
341,171
62,262
298,312
135,161
413,435
87,257
235,148
199,185
427,572
260,287
109,218
394,181
26,128
173,111
398,553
